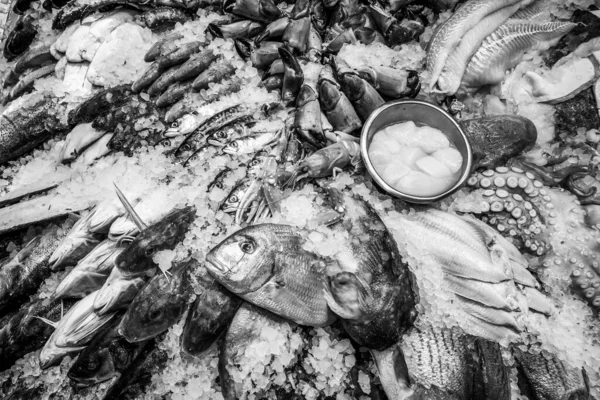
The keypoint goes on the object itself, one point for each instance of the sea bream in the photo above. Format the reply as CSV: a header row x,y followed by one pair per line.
x,y
265,265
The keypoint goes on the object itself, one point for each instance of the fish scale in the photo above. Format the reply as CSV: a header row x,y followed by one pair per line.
x,y
295,291
506,45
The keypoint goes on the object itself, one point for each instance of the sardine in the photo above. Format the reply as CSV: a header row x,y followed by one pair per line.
x,y
251,143
90,273
73,332
227,134
505,47
160,303
107,356
450,33
22,275
265,265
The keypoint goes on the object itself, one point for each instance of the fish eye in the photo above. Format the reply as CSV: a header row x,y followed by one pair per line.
x,y
150,250
219,185
175,124
233,144
247,247
166,142
155,314
186,147
221,135
92,364
233,199
254,163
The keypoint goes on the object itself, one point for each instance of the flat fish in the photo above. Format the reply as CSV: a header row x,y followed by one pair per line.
x,y
505,47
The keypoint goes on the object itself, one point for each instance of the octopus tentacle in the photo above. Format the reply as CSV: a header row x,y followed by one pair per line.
x,y
586,194
550,223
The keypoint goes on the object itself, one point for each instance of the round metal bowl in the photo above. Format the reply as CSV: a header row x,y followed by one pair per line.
x,y
421,113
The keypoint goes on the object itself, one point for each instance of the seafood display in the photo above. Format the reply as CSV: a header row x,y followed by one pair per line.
x,y
186,208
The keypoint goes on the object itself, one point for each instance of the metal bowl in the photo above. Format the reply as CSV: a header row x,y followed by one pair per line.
x,y
421,113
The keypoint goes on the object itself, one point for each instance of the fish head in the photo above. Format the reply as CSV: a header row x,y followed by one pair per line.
x,y
117,292
92,367
162,235
244,261
52,354
348,296
234,199
157,306
182,126
79,284
232,147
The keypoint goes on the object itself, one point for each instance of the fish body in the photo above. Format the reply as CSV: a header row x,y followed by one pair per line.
x,y
96,150
245,330
106,357
24,332
159,304
162,235
215,73
22,275
264,265
26,127
251,143
73,332
210,314
504,49
545,377
233,200
374,294
228,133
90,273
100,104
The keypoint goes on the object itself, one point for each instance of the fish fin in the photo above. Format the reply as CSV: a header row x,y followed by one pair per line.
x,y
51,323
490,315
334,306
136,218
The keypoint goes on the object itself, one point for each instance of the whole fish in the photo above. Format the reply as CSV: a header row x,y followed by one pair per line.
x,y
73,332
373,294
27,125
22,275
135,379
450,33
505,47
265,265
117,292
210,315
233,200
251,143
165,234
106,357
90,273
25,332
545,376
228,133
245,330
160,303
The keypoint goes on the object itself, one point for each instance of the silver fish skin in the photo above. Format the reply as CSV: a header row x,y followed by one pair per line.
x,y
265,265
76,244
117,292
505,47
73,332
251,143
91,272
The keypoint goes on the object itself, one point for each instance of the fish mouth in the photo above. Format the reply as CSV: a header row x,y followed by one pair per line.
x,y
218,265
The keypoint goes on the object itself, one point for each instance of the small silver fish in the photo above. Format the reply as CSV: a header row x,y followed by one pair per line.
x,y
251,143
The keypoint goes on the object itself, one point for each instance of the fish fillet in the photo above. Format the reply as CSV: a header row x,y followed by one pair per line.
x,y
451,32
505,47
454,68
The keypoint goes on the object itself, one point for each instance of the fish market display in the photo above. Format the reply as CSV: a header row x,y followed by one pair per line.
x,y
185,211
